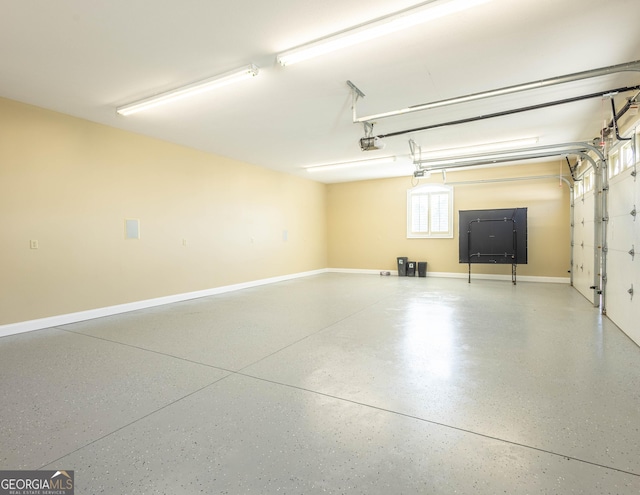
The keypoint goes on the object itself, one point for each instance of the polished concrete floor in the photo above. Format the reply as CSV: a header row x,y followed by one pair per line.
x,y
336,383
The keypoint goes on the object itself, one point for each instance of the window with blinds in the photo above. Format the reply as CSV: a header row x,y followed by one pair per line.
x,y
430,212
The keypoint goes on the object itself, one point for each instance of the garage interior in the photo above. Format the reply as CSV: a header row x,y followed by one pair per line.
x,y
194,294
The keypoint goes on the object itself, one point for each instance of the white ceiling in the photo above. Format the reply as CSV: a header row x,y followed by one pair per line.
x,y
86,58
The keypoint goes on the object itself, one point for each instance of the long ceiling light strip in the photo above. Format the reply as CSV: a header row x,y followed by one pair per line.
x,y
358,163
479,148
189,90
424,12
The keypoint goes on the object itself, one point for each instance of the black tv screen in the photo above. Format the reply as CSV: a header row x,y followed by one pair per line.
x,y
493,236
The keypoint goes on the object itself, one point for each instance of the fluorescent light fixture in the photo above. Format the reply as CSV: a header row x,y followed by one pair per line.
x,y
424,12
478,148
189,90
357,163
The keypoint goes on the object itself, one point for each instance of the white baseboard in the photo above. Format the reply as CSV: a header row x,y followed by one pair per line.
x,y
474,276
359,270
52,321
486,276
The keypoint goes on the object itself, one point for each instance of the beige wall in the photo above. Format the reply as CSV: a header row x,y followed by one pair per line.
x,y
367,221
70,184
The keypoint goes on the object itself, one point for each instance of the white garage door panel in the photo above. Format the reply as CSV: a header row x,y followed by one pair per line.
x,y
579,275
582,273
621,196
583,248
621,233
589,203
589,226
622,308
623,270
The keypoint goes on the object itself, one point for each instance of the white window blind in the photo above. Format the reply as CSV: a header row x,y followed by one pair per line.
x,y
420,213
430,212
440,213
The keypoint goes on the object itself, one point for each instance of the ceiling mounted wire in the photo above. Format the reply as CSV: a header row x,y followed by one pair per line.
x,y
543,83
504,113
615,122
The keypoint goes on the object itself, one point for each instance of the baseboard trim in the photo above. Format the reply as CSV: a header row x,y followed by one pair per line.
x,y
358,271
474,276
66,319
519,278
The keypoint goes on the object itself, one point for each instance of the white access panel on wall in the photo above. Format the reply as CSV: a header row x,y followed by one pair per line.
x,y
623,264
583,245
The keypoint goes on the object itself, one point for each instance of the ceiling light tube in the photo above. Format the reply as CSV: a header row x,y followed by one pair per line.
x,y
403,19
479,148
189,90
357,163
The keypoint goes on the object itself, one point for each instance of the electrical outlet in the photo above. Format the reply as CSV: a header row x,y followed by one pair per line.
x,y
184,242
33,244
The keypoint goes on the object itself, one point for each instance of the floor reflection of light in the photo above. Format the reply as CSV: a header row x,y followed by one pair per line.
x,y
428,343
